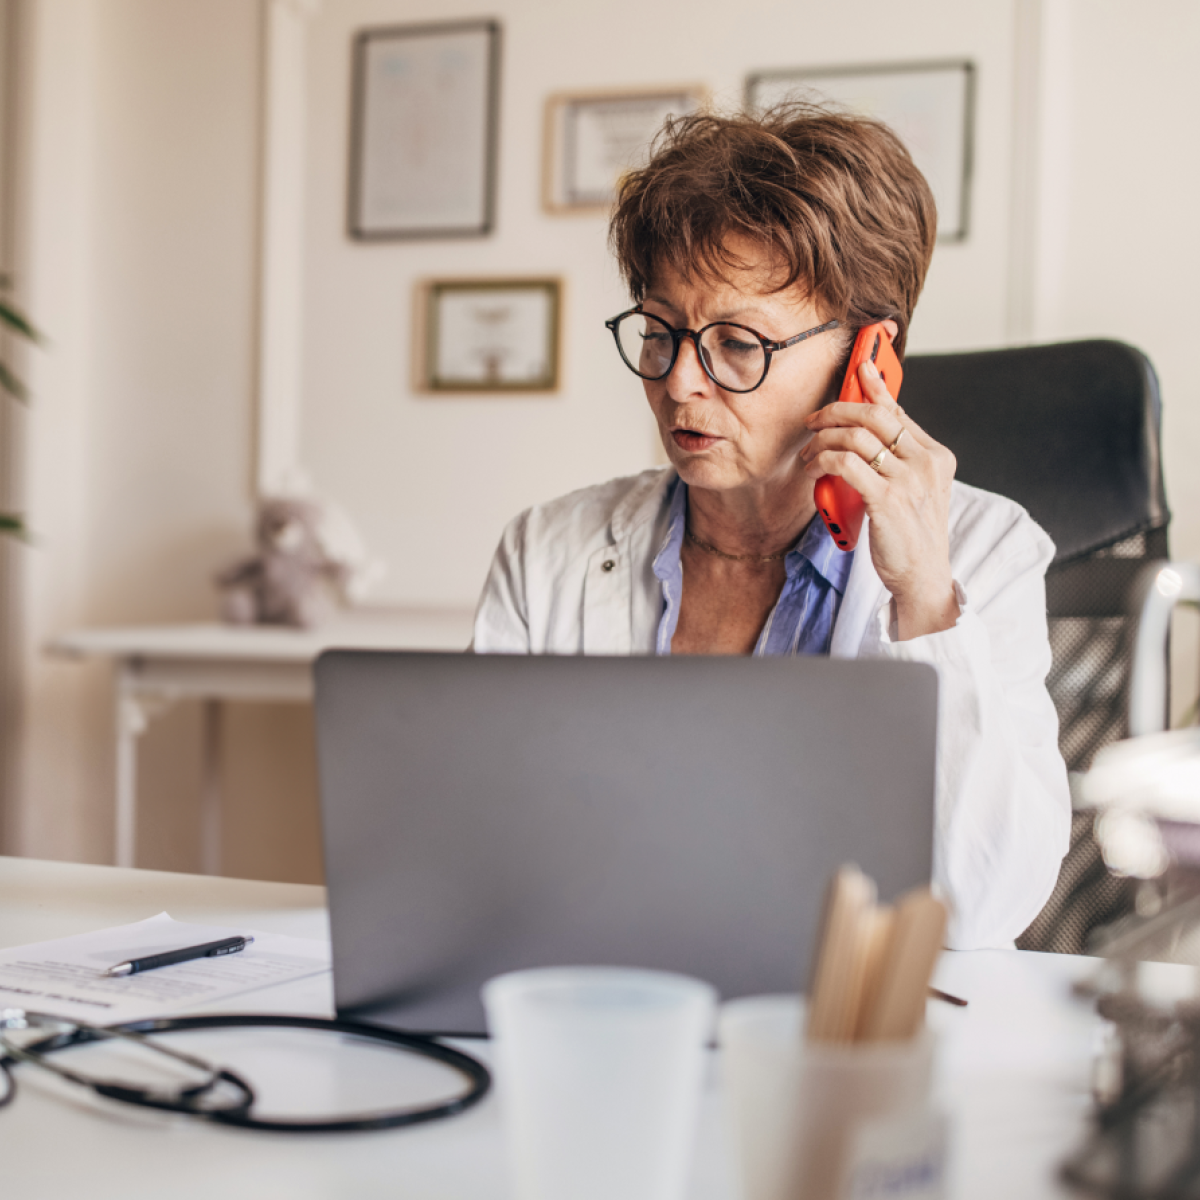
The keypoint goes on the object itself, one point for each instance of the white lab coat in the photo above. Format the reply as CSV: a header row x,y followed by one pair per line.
x,y
573,576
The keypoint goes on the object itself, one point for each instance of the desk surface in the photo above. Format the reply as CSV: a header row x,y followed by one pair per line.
x,y
1013,1072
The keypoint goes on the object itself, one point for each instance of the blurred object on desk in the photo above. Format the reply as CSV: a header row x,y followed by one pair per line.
x,y
1145,1141
307,554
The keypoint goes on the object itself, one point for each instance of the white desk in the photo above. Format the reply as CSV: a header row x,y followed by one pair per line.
x,y
1013,1073
159,664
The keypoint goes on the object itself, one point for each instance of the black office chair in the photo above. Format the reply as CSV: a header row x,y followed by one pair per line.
x,y
1071,432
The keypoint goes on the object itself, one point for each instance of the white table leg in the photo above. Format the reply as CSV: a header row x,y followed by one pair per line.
x,y
131,721
210,790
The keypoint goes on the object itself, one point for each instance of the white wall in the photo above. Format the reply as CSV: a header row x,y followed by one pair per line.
x,y
1120,247
1124,261
138,234
137,238
10,425
55,737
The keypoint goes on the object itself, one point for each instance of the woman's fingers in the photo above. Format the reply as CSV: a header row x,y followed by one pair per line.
x,y
884,423
856,439
882,414
907,495
914,430
874,387
870,484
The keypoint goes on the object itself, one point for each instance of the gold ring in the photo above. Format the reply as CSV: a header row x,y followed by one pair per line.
x,y
892,447
877,461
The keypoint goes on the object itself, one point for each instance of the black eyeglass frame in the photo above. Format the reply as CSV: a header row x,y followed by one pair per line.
x,y
677,336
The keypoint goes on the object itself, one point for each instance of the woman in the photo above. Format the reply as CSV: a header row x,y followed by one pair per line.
x,y
776,240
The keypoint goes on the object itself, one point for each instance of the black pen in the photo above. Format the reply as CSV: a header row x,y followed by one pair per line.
x,y
208,950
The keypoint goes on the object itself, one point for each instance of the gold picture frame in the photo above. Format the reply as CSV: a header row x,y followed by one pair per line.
x,y
491,336
592,138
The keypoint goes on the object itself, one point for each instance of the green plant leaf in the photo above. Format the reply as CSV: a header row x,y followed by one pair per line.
x,y
16,321
12,385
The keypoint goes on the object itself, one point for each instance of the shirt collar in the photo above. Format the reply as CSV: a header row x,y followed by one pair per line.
x,y
816,545
667,560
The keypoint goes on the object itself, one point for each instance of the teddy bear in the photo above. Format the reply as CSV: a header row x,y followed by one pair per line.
x,y
289,581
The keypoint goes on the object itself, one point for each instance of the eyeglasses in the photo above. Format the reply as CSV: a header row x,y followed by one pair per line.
x,y
735,357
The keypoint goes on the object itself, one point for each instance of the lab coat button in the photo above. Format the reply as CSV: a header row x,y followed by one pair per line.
x,y
607,565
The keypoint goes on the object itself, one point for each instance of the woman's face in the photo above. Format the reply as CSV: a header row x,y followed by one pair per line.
x,y
721,440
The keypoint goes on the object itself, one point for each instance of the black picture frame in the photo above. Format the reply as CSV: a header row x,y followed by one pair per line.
x,y
373,153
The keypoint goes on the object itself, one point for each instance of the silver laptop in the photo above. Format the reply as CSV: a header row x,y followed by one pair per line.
x,y
484,813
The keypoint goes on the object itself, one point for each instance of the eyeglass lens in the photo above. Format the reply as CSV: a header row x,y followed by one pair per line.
x,y
733,356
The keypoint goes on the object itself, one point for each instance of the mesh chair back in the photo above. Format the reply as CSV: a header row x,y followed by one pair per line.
x,y
1071,432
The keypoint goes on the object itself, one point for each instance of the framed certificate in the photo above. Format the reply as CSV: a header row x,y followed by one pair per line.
x,y
930,105
592,139
492,335
423,142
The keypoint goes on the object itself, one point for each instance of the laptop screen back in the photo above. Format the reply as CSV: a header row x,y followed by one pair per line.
x,y
487,813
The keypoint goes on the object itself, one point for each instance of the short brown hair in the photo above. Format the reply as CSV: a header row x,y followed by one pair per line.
x,y
834,196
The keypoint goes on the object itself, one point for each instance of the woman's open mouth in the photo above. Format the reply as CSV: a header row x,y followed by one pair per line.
x,y
693,440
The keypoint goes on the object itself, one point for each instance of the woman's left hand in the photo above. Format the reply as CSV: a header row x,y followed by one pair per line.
x,y
907,498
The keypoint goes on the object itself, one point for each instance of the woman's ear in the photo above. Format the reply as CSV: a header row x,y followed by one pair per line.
x,y
892,327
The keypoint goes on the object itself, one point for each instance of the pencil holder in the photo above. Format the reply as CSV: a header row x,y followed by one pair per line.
x,y
815,1121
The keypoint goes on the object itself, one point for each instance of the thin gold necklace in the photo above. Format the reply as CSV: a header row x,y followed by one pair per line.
x,y
711,549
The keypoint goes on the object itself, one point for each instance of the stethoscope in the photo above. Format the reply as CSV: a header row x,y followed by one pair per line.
x,y
218,1093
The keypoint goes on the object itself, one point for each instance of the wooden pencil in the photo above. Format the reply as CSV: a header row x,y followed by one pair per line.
x,y
897,1010
841,957
883,922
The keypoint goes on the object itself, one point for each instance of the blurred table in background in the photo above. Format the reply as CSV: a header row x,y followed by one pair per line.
x,y
156,665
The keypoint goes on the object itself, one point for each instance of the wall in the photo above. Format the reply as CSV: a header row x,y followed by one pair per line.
x,y
136,239
1127,255
10,424
1120,245
139,242
53,737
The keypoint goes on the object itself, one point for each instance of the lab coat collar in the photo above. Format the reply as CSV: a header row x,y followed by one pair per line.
x,y
621,597
643,503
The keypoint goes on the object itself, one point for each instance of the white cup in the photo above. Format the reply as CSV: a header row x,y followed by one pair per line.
x,y
599,1072
815,1121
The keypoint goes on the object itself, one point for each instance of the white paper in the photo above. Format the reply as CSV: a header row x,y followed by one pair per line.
x,y
497,336
65,977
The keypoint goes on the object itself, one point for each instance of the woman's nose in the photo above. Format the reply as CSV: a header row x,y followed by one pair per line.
x,y
687,376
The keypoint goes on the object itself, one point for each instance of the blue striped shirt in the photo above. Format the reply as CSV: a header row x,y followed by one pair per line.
x,y
801,621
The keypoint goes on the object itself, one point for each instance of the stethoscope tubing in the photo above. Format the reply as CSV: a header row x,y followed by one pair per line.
x,y
241,1116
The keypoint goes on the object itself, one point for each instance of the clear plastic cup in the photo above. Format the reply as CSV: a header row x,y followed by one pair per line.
x,y
821,1122
599,1072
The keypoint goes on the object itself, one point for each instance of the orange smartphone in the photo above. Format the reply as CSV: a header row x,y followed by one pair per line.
x,y
840,506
